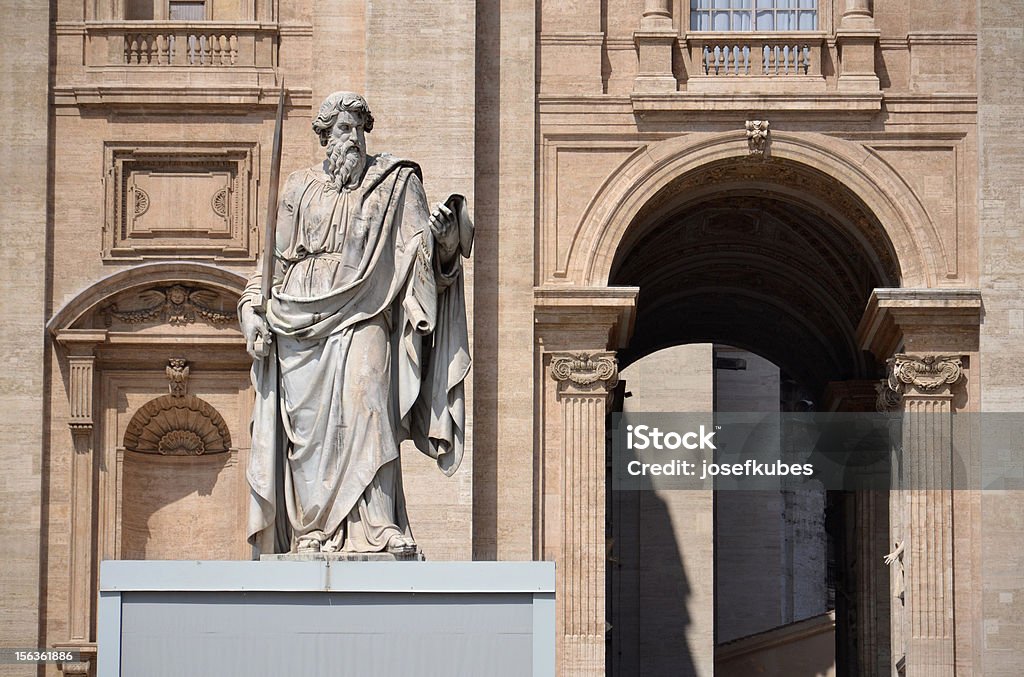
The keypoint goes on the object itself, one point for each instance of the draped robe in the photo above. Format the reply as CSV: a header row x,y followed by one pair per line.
x,y
369,348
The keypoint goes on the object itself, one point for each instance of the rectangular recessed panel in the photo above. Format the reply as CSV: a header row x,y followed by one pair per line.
x,y
319,634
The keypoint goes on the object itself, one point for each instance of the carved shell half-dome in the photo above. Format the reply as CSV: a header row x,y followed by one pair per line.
x,y
177,426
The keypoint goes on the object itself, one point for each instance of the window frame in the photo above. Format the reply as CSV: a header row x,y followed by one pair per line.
x,y
681,19
207,10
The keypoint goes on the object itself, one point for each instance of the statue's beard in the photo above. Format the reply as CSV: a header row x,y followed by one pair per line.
x,y
345,162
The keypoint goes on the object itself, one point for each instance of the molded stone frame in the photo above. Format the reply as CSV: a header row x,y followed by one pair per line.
x,y
146,216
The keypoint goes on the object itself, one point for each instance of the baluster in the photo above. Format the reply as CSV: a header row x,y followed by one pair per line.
x,y
130,48
147,49
706,58
233,41
807,59
718,58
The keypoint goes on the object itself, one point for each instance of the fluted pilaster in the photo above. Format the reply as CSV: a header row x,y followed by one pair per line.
x,y
584,382
925,385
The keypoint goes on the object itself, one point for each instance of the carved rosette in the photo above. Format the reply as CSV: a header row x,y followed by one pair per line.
x,y
924,374
585,372
141,201
888,399
219,203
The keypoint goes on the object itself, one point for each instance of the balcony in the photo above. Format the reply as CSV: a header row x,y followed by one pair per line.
x,y
161,64
771,62
177,44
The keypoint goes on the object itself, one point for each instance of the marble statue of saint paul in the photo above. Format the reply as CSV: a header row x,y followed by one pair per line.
x,y
361,345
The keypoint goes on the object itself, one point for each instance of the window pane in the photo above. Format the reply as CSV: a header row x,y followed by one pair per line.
x,y
187,11
808,21
747,15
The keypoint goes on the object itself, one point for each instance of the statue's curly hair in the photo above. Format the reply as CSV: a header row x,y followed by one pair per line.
x,y
333,105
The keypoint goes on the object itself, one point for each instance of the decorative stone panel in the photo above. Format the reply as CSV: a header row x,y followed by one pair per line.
x,y
180,201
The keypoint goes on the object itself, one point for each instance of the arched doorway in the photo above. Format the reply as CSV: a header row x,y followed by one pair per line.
x,y
849,222
769,265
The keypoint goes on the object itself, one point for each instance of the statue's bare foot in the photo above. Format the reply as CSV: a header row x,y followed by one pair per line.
x,y
400,544
309,544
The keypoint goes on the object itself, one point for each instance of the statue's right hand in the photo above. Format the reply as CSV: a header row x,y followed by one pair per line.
x,y
256,331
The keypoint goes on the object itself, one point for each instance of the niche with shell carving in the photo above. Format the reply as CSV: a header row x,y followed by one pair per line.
x,y
177,426
179,478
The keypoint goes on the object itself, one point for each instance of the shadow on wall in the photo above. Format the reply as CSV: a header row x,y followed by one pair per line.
x,y
661,559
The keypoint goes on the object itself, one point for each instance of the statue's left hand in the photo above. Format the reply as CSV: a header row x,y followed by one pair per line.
x,y
444,226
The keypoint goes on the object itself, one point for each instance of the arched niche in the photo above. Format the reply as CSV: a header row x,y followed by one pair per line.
x,y
117,341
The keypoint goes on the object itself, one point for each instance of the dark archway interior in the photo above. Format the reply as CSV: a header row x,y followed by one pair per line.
x,y
771,257
766,255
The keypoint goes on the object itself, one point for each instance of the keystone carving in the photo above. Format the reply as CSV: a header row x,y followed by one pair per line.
x,y
586,371
757,137
177,376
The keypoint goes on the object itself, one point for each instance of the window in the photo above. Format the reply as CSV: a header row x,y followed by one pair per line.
x,y
186,11
753,15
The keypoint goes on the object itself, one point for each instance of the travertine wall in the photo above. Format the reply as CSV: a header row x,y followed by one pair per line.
x,y
25,228
662,555
998,610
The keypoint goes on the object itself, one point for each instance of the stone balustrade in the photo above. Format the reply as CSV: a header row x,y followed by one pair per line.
x,y
755,54
172,43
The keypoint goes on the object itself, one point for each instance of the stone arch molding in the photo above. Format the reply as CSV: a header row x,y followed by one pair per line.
x,y
177,426
906,223
138,277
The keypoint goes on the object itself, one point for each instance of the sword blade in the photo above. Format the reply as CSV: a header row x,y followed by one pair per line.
x,y
270,234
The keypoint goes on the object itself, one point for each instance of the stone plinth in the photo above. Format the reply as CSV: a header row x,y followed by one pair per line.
x,y
343,557
326,617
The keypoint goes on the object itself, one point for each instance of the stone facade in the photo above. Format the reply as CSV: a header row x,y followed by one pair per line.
x,y
835,201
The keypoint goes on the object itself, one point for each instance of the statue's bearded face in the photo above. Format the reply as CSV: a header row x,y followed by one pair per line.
x,y
346,150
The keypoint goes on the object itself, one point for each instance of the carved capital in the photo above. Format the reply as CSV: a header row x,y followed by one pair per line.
x,y
888,399
80,394
924,374
585,372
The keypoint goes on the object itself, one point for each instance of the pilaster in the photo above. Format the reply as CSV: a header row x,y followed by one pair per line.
x,y
928,339
577,330
926,385
856,39
80,351
654,42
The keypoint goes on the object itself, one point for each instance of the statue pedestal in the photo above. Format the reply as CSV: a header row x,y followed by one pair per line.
x,y
322,615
